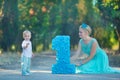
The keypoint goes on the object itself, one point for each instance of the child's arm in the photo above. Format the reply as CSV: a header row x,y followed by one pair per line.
x,y
24,46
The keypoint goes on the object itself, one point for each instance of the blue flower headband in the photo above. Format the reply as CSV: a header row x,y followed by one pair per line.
x,y
84,25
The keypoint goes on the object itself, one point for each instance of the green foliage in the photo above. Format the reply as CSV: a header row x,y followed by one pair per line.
x,y
110,10
106,37
9,24
48,18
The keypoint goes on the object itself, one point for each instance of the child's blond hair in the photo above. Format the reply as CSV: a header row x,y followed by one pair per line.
x,y
26,32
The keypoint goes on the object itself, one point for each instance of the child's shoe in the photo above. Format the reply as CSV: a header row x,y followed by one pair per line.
x,y
25,74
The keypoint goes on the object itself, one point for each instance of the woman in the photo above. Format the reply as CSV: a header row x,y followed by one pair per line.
x,y
97,59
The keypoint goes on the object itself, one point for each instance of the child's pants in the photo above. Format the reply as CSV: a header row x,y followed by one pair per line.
x,y
25,65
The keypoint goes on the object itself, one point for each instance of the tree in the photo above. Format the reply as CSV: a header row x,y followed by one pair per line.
x,y
110,10
9,23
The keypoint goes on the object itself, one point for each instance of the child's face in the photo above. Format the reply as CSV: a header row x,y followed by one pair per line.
x,y
27,36
82,33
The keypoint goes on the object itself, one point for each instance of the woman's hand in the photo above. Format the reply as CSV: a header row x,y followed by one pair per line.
x,y
73,58
80,63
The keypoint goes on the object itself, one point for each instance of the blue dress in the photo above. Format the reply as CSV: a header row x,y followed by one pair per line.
x,y
98,64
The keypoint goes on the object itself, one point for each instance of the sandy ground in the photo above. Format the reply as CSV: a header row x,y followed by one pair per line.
x,y
41,70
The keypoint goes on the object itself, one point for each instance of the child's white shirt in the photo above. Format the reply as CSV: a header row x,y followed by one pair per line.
x,y
27,51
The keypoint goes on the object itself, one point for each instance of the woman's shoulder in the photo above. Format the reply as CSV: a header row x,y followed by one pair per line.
x,y
93,39
80,40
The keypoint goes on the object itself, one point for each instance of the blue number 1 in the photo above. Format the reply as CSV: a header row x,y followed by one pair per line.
x,y
61,44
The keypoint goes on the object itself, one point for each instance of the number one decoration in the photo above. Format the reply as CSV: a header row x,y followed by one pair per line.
x,y
61,44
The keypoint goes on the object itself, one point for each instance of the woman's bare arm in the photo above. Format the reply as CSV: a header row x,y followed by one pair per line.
x,y
92,53
77,53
